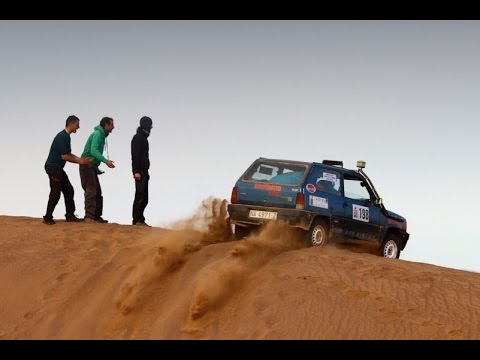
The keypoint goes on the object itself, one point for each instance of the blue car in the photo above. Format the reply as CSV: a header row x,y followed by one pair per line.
x,y
325,200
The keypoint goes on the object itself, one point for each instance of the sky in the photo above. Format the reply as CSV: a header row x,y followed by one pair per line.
x,y
401,95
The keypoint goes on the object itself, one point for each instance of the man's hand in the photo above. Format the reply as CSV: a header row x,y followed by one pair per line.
x,y
137,176
85,161
110,164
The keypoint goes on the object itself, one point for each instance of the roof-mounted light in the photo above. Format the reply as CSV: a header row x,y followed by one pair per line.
x,y
361,164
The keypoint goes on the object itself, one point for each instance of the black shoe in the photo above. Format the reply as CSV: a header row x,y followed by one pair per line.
x,y
73,218
141,223
48,221
101,220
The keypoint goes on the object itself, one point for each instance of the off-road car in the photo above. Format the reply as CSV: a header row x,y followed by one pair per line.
x,y
327,201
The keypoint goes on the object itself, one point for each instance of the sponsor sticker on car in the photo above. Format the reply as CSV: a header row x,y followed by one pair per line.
x,y
318,202
310,188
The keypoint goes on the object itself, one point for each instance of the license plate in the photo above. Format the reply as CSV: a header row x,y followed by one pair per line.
x,y
258,214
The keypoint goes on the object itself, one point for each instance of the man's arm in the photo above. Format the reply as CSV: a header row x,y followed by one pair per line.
x,y
75,159
136,154
66,153
136,157
94,148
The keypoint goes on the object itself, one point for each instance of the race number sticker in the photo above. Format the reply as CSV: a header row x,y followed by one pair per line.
x,y
330,177
360,213
318,202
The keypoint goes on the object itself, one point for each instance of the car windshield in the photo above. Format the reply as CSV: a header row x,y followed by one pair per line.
x,y
276,172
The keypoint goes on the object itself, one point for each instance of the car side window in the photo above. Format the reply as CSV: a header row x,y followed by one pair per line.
x,y
355,189
328,181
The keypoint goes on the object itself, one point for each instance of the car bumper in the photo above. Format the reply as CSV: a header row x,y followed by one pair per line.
x,y
403,239
239,215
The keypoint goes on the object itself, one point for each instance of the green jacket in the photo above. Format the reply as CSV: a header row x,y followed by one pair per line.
x,y
94,147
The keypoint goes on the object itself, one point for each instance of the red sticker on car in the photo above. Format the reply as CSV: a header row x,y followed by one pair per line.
x,y
267,187
310,188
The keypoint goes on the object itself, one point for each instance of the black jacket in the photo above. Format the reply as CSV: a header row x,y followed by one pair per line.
x,y
140,158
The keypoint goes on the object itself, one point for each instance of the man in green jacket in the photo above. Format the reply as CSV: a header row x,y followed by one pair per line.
x,y
89,173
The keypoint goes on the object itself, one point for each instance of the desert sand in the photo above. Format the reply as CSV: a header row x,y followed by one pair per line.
x,y
111,281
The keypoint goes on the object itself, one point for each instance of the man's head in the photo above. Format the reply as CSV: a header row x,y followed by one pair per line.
x,y
146,123
107,124
72,124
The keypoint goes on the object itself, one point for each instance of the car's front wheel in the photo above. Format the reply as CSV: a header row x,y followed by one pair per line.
x,y
318,234
390,247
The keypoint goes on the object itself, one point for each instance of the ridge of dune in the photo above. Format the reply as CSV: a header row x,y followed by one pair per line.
x,y
111,281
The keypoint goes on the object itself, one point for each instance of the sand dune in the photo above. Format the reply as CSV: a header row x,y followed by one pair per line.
x,y
110,281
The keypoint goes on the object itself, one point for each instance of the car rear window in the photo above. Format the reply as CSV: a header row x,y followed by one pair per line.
x,y
276,173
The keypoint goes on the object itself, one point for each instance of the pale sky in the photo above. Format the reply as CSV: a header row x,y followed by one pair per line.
x,y
401,95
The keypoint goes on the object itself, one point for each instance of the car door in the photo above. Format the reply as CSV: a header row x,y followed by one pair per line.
x,y
362,217
323,195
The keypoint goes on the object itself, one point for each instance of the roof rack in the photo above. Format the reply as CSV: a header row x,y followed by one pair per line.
x,y
333,162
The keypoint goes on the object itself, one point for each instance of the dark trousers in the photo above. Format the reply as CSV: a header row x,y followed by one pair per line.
x,y
141,198
93,191
59,183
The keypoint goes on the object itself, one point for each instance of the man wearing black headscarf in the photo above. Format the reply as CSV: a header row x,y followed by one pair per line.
x,y
140,166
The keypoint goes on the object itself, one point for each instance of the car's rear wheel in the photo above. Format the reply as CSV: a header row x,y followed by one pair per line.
x,y
317,235
390,247
242,232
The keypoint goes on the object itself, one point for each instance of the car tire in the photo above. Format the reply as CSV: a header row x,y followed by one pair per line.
x,y
241,232
318,234
390,247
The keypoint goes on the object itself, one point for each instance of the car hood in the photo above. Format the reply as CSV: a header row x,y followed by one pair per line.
x,y
395,216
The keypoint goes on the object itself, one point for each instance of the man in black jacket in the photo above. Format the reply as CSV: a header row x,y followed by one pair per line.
x,y
140,166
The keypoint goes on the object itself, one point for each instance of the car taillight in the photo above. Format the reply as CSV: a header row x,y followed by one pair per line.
x,y
300,204
233,200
